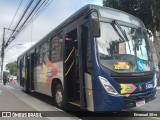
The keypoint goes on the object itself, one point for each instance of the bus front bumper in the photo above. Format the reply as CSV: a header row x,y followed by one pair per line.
x,y
107,102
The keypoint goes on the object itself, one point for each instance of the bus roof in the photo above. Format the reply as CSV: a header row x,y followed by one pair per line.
x,y
104,12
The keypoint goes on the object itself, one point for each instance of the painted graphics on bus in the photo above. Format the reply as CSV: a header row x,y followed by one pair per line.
x,y
46,72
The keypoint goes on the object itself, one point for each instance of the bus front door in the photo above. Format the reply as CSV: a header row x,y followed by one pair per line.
x,y
72,68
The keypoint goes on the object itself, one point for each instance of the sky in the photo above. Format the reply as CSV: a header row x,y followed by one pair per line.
x,y
56,12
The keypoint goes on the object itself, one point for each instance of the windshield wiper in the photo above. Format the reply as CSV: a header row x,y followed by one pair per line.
x,y
122,31
114,22
121,38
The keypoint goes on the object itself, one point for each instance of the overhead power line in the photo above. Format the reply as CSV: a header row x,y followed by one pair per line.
x,y
29,15
36,14
15,28
14,16
32,11
15,13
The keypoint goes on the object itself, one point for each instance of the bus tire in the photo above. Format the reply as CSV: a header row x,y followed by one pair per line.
x,y
59,96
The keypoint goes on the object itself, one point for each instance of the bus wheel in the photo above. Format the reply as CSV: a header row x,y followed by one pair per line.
x,y
58,96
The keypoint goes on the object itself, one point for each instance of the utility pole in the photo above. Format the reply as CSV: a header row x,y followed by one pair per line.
x,y
2,51
2,54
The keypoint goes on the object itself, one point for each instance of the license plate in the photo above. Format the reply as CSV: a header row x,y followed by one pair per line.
x,y
140,102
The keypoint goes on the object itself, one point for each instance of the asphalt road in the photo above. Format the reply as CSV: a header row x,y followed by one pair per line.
x,y
151,106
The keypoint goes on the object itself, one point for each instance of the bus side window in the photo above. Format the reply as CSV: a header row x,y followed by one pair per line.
x,y
45,51
37,56
21,63
56,48
24,61
41,54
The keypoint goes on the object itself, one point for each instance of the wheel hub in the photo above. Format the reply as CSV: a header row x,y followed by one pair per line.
x,y
59,97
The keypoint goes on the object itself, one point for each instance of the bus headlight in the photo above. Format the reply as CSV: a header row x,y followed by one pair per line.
x,y
155,80
107,86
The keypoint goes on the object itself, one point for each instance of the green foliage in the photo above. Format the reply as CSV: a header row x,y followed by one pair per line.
x,y
139,8
12,67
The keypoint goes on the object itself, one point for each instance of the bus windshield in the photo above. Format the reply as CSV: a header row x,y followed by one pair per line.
x,y
124,49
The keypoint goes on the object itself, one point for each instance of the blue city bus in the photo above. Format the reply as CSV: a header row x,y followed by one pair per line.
x,y
98,59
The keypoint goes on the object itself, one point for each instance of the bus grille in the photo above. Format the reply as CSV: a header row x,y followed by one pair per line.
x,y
128,80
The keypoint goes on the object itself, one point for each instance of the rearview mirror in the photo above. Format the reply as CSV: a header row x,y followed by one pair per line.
x,y
95,28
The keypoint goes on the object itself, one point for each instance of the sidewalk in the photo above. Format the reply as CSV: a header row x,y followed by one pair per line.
x,y
13,99
9,102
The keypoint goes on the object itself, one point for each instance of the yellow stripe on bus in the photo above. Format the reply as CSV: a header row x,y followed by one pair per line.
x,y
69,68
73,103
69,54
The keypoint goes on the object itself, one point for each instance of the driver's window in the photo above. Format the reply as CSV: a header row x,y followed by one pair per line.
x,y
122,48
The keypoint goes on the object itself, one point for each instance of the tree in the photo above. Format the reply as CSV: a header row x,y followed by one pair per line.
x,y
12,67
146,10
